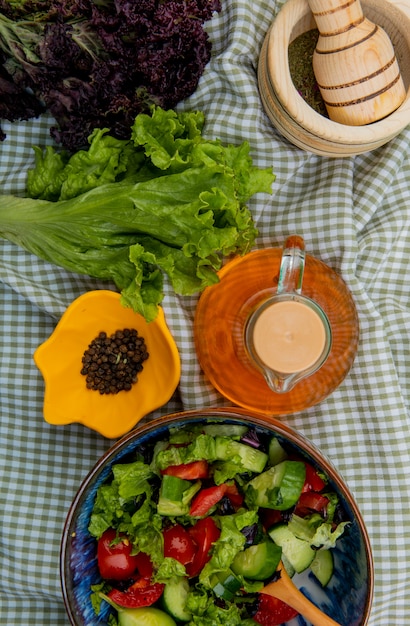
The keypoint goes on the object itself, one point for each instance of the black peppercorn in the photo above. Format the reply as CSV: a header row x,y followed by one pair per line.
x,y
111,364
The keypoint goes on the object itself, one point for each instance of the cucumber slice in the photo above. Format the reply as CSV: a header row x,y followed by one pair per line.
x,y
277,488
275,452
144,616
252,459
174,598
290,570
297,551
322,566
258,562
172,488
175,495
225,584
225,430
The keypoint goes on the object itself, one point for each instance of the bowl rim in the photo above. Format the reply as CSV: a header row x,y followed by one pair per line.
x,y
280,31
234,413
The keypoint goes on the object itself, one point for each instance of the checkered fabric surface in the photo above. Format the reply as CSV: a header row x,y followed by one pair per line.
x,y
354,214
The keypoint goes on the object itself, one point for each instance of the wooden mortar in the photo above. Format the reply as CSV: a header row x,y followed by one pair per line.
x,y
354,64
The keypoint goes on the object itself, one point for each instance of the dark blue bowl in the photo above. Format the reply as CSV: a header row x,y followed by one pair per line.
x,y
348,596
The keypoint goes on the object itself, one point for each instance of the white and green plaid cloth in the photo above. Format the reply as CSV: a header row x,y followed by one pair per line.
x,y
354,215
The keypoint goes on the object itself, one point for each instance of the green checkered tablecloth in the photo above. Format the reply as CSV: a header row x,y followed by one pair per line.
x,y
354,215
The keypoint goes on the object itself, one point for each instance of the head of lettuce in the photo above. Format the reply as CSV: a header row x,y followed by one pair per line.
x,y
166,201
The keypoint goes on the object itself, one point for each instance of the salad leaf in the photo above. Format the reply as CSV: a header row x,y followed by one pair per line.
x,y
183,435
115,507
147,537
226,470
325,536
130,480
104,513
133,222
172,142
230,542
318,532
201,448
169,568
96,596
332,507
205,612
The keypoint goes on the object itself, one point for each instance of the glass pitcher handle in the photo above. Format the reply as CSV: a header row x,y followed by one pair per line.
x,y
292,266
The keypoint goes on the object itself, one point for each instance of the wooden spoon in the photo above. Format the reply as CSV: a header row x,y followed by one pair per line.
x,y
284,589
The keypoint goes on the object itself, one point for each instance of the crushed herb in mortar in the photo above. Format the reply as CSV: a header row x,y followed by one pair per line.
x,y
111,364
301,69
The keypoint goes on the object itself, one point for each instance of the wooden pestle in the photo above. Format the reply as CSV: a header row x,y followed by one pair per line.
x,y
354,64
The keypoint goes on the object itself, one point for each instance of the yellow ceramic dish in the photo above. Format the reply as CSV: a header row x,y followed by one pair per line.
x,y
66,398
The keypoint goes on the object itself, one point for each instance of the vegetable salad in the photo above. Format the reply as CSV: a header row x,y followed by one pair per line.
x,y
192,528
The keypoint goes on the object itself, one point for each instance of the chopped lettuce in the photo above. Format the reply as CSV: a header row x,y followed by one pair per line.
x,y
226,470
332,505
130,481
115,506
202,448
230,542
169,568
205,612
167,202
325,537
147,538
96,597
318,532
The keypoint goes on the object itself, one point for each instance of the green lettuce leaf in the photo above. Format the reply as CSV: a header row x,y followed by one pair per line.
x,y
205,612
59,176
226,470
325,536
169,138
230,542
169,202
130,481
201,448
168,569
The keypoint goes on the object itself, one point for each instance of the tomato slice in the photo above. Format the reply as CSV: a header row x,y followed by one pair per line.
x,y
206,499
178,544
270,517
234,495
310,501
115,561
204,534
272,612
313,482
188,471
141,593
144,565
